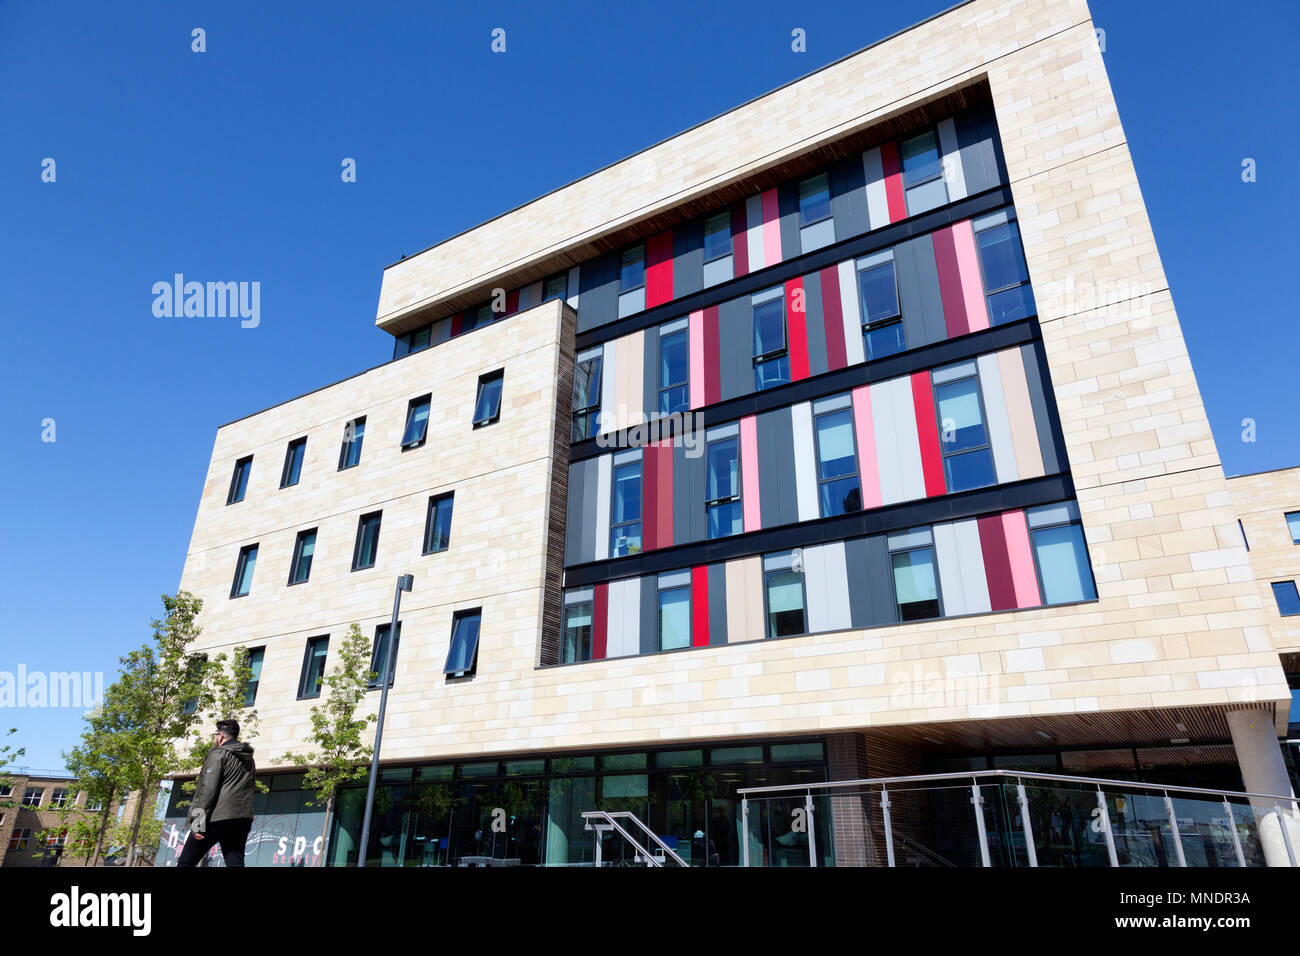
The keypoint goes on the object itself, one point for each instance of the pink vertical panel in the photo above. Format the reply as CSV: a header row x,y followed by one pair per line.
x,y
868,466
696,336
892,167
972,286
950,290
1023,577
749,490
771,228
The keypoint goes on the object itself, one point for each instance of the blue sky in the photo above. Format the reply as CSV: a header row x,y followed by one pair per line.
x,y
225,166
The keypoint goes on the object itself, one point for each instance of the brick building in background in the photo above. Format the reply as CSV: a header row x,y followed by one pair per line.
x,y
39,796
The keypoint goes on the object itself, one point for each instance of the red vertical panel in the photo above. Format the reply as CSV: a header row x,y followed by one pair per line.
x,y
512,304
927,430
659,269
712,384
457,321
700,606
739,243
893,170
649,497
599,612
664,490
997,566
833,317
950,291
798,326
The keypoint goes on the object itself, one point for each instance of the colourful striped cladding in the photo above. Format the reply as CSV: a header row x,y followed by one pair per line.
x,y
893,172
599,618
798,326
745,599
700,606
950,289
854,350
927,432
749,480
739,241
868,465
659,269
712,381
968,268
771,228
696,336
1020,556
1020,414
997,564
457,323
663,518
877,201
512,304
833,318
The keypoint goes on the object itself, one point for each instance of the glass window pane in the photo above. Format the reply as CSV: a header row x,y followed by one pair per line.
x,y
878,288
674,619
1011,304
970,469
841,496
884,340
723,469
772,372
961,424
1288,599
785,603
1293,525
717,236
488,406
769,327
632,274
1063,561
576,645
920,159
927,196
914,584
586,384
674,359
464,643
675,399
835,444
814,199
1000,255
416,420
627,493
556,287
726,519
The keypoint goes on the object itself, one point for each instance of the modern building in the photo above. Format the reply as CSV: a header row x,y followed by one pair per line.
x,y
848,434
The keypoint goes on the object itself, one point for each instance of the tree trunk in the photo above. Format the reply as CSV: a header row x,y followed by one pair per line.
x,y
136,820
99,837
325,831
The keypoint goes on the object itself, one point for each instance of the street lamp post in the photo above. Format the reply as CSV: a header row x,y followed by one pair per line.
x,y
386,662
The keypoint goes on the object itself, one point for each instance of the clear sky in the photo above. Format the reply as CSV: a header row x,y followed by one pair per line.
x,y
225,165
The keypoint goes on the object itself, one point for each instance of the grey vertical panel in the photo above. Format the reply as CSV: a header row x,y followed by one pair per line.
x,y
649,614
717,603
909,296
849,198
878,571
650,372
598,291
682,497
779,497
927,285
1049,436
734,345
580,518
696,470
787,203
980,152
855,559
814,321
688,258
769,497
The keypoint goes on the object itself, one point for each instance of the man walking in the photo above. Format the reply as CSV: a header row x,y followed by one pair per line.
x,y
222,808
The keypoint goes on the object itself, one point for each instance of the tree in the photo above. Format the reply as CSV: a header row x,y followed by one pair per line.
x,y
100,774
339,754
7,756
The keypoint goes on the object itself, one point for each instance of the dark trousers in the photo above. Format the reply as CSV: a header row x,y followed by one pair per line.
x,y
232,835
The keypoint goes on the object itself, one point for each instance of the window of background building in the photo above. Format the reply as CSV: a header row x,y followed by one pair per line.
x,y
1064,572
838,484
417,422
437,523
586,393
377,655
916,587
722,492
239,480
350,453
20,838
717,236
462,656
313,667
674,368
783,595
244,571
293,457
882,320
367,546
59,799
923,183
94,803
579,609
255,656
32,797
1293,525
625,504
1002,265
771,352
1288,598
675,610
963,439
303,549
487,404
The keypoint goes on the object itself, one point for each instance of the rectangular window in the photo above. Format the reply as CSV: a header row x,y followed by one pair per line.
x,y
437,524
417,422
625,503
675,610
783,595
377,655
32,797
722,492
882,320
838,484
244,571
59,799
632,274
367,546
94,803
916,587
255,656
350,453
923,183
674,368
303,549
1288,599
1002,265
462,657
579,609
586,394
556,287
963,438
771,353
57,839
487,406
1293,525
413,341
1061,554
20,838
293,462
814,199
239,480
313,667
717,236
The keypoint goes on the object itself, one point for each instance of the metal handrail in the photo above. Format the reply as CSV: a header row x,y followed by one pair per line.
x,y
609,818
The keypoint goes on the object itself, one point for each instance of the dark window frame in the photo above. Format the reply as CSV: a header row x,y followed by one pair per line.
x,y
356,439
589,413
622,262
240,563
1286,517
356,548
767,604
772,355
244,470
381,631
830,209
296,559
590,604
456,620
307,657
1038,568
817,453
938,584
412,407
434,501
944,454
933,133
557,277
487,378
1295,588
285,472
250,691
869,324
711,504
731,239
614,467
686,382
660,591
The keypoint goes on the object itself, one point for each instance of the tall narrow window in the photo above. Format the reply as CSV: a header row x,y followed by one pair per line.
x,y
839,486
313,667
417,422
244,571
722,493
575,644
783,595
377,655
882,321
239,480
923,183
625,503
1287,597
350,452
674,368
967,454
631,281
814,199
586,394
1292,525
1002,265
487,406
437,525
717,236
675,610
771,352
293,462
916,588
303,549
255,656
462,656
556,287
367,546
1061,555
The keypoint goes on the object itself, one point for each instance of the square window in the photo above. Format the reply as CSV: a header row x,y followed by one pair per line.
x,y
487,406
32,797
814,200
239,480
244,571
19,839
625,502
916,590
367,546
350,453
556,287
632,274
313,667
437,524
303,549
293,457
717,236
783,595
377,654
1288,599
417,422
586,395
255,656
59,799
1293,525
462,656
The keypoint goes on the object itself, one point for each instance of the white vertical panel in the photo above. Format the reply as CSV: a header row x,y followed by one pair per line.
x,y
882,421
950,571
971,555
572,287
953,174
805,461
835,588
603,473
814,585
609,388
530,296
852,312
998,424
908,442
623,637
754,232
877,203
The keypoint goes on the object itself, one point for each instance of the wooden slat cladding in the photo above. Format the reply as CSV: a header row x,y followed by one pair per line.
x,y
548,648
